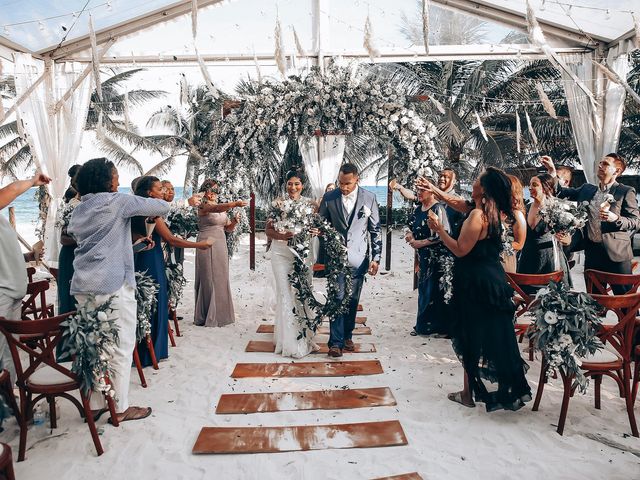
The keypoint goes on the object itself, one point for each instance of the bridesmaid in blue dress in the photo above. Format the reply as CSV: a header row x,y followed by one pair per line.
x,y
151,262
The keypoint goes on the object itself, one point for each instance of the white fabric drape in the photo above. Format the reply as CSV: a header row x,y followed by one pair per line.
x,y
322,157
596,130
55,139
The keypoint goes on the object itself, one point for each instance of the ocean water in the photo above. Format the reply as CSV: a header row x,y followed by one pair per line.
x,y
26,207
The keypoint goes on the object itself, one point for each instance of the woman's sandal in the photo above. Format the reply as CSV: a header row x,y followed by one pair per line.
x,y
457,397
134,413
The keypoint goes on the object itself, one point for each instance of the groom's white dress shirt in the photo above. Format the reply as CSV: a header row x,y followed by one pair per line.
x,y
349,202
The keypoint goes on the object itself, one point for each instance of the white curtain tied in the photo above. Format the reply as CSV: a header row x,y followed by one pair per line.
x,y
596,128
322,157
54,137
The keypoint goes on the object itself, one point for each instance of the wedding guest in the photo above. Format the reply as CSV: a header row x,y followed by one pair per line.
x,y
354,213
613,216
565,175
542,252
66,302
481,314
456,206
516,230
13,271
103,265
175,254
214,304
330,187
151,263
430,319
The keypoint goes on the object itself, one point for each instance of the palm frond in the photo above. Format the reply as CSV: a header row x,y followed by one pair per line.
x,y
119,155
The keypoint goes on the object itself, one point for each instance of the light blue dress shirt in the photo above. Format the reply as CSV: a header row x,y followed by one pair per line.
x,y
101,226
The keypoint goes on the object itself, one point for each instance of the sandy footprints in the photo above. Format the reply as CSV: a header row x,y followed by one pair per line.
x,y
320,436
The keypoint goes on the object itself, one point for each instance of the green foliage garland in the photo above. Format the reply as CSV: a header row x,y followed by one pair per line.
x,y
175,283
300,277
565,329
89,337
183,221
147,302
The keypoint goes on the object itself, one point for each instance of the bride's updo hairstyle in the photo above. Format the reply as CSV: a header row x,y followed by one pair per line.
x,y
296,173
496,199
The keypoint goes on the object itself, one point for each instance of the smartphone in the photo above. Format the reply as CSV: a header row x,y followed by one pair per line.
x,y
141,245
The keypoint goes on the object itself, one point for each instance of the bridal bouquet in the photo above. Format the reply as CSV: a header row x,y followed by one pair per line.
x,y
64,215
563,216
183,221
565,329
291,215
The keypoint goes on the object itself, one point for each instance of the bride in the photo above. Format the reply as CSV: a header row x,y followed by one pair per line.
x,y
288,332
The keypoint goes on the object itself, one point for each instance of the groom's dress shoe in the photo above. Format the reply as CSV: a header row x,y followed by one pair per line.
x,y
335,352
349,346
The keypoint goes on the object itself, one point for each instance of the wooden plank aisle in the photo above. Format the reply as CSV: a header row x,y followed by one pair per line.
x,y
269,347
314,400
299,438
307,369
268,328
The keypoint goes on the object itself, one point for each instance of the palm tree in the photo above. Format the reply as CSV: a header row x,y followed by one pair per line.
x,y
190,127
117,140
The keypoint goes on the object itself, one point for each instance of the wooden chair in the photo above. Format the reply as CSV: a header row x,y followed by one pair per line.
x,y
519,282
173,315
44,377
30,273
6,392
636,374
138,364
614,364
600,283
34,304
6,462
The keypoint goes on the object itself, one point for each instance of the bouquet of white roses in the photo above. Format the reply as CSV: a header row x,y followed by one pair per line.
x,y
563,216
291,215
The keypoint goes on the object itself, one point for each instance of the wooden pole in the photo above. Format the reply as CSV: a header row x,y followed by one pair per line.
x,y
387,260
252,233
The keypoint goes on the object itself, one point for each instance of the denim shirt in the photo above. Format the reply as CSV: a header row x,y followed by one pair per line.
x,y
101,226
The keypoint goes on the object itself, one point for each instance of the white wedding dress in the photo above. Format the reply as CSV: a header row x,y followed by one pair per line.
x,y
287,328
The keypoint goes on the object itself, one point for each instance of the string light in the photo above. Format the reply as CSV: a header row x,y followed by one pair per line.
x,y
109,8
543,7
608,15
63,15
41,26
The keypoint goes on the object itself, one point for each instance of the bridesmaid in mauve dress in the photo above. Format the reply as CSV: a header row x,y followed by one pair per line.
x,y
214,304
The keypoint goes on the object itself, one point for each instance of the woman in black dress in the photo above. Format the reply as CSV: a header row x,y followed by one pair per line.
x,y
481,314
430,318
542,251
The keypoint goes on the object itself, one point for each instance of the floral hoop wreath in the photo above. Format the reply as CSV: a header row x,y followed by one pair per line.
x,y
337,265
348,99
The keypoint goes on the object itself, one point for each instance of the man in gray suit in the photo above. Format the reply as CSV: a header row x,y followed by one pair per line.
x,y
613,217
353,212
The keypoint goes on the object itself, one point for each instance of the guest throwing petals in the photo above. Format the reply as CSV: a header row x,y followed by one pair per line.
x,y
481,319
214,304
151,263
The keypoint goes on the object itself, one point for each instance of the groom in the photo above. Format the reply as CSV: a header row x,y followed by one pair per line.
x,y
353,212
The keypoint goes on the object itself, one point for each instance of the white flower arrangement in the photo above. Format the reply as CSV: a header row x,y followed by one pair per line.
x,y
365,212
349,100
147,302
563,216
89,337
565,329
290,215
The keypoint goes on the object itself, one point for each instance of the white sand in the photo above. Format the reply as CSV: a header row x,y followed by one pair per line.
x,y
446,440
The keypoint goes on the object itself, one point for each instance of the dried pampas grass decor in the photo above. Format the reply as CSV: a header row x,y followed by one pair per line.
x,y
532,133
368,40
546,103
615,78
518,131
481,126
301,51
279,53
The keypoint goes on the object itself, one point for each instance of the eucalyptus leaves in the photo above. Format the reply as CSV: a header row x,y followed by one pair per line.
x,y
89,337
175,283
336,267
565,330
146,290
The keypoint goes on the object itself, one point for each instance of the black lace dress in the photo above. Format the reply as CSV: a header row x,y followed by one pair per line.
x,y
481,326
